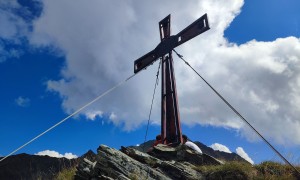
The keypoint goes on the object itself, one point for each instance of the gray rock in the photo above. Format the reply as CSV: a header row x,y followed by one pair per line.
x,y
183,153
177,170
117,165
163,162
173,169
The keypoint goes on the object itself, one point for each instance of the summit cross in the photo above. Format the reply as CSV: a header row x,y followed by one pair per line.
x,y
170,118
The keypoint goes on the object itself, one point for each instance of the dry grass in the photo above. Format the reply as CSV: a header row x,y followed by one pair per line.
x,y
275,170
236,170
66,174
230,170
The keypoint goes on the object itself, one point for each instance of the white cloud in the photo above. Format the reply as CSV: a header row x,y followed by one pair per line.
x,y
240,151
70,156
11,24
260,79
12,28
114,119
220,147
22,101
91,115
56,154
113,116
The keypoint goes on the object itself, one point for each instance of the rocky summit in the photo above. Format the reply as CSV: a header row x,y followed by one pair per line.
x,y
161,162
134,162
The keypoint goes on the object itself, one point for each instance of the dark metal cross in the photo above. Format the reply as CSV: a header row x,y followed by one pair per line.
x,y
170,117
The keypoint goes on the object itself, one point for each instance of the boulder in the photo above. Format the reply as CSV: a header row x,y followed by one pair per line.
x,y
115,164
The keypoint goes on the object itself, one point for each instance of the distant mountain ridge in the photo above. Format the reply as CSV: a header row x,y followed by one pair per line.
x,y
25,166
219,154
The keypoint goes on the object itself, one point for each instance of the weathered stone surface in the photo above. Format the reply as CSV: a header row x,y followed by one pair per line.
x,y
177,170
142,157
173,169
163,162
164,152
127,165
182,153
115,164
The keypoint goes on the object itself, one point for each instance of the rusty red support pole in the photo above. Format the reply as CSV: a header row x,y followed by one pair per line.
x,y
175,101
163,102
170,118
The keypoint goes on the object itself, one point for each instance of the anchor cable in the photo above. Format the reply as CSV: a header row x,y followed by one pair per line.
x,y
74,113
156,83
238,114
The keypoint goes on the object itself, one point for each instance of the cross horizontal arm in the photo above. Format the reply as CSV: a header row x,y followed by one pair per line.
x,y
167,44
198,27
145,61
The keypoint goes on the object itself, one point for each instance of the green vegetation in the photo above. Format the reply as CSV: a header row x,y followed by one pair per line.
x,y
237,170
66,174
230,170
274,170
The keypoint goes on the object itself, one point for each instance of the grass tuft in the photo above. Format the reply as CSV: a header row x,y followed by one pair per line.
x,y
275,170
66,174
238,170
230,170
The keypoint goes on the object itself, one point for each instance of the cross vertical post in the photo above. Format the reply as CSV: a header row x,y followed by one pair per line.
x,y
170,117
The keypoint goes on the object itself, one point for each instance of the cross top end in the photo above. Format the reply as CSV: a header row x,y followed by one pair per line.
x,y
169,42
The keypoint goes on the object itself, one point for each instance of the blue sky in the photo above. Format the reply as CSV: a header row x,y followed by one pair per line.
x,y
55,56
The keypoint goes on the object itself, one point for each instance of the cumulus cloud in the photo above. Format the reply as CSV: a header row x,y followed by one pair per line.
x,y
220,147
56,154
92,115
261,79
113,116
240,151
22,101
